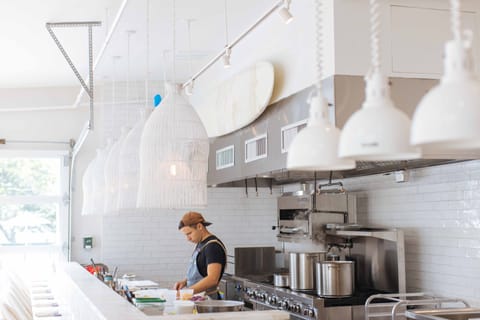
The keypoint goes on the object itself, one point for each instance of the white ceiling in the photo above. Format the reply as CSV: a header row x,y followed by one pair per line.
x,y
30,57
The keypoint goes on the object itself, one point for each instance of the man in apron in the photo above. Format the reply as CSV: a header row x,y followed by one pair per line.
x,y
208,260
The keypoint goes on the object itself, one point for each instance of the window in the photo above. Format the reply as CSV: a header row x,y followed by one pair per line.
x,y
33,202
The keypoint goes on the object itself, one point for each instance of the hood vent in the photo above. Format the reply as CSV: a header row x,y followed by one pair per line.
x,y
289,132
263,145
256,148
225,157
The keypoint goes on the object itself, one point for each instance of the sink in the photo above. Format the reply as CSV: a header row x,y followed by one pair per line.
x,y
441,314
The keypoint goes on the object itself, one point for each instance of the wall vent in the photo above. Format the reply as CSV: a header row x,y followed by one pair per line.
x,y
256,148
288,133
225,157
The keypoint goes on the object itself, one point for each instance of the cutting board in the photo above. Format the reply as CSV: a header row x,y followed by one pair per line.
x,y
237,101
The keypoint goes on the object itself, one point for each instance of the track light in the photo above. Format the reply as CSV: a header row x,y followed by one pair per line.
x,y
285,13
226,57
189,88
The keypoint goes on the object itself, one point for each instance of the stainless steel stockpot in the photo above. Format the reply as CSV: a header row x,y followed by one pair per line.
x,y
335,278
302,269
281,280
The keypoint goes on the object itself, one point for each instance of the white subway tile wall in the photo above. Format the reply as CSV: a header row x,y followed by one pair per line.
x,y
148,243
439,210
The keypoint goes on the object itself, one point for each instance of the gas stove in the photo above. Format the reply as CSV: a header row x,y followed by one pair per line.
x,y
265,296
304,305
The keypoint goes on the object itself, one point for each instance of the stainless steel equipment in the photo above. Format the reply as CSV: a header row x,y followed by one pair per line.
x,y
418,306
303,215
303,305
371,248
302,269
379,255
335,278
254,262
281,280
218,306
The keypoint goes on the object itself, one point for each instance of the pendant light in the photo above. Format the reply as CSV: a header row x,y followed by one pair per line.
x,y
112,174
129,165
173,153
315,148
129,161
378,131
87,188
448,116
98,184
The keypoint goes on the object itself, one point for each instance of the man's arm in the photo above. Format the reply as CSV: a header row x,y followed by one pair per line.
x,y
180,284
214,271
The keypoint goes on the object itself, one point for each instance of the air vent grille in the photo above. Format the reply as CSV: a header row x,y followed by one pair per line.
x,y
288,133
225,157
256,148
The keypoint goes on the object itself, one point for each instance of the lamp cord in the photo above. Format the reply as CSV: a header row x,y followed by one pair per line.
x,y
226,22
375,35
455,19
128,74
147,46
173,41
319,44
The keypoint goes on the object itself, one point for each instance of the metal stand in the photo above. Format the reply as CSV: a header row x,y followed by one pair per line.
x,y
400,301
89,89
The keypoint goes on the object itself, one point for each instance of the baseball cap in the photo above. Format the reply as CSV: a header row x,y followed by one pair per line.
x,y
192,218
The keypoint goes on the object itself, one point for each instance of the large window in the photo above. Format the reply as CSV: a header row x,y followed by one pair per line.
x,y
33,202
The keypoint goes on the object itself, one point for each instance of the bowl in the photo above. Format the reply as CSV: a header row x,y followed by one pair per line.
x,y
218,306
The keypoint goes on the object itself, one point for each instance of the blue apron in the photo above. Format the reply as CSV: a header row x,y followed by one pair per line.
x,y
194,276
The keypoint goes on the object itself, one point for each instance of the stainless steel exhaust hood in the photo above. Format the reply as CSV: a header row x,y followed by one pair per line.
x,y
258,150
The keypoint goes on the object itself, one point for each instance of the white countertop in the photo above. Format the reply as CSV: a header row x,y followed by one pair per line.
x,y
87,298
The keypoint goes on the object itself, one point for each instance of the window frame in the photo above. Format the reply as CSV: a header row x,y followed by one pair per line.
x,y
61,244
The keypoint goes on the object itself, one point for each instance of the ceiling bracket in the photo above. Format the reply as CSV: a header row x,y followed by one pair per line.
x,y
89,24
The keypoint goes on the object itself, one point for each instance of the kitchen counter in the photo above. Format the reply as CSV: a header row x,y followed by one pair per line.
x,y
85,297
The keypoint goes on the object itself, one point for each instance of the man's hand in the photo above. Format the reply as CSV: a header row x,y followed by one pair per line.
x,y
180,284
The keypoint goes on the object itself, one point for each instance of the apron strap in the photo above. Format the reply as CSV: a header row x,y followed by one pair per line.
x,y
214,290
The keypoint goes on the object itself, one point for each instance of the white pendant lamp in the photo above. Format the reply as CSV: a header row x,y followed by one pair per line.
x,y
98,184
111,173
378,131
315,148
87,188
173,153
448,116
129,165
173,156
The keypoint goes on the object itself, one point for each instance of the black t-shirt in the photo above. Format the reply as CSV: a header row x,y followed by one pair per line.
x,y
212,253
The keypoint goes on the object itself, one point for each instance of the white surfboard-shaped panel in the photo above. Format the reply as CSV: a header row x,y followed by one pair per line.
x,y
237,101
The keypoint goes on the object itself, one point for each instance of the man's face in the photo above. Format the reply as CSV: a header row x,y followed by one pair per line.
x,y
193,233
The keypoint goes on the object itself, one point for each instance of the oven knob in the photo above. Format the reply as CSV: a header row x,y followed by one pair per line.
x,y
274,300
297,308
311,313
270,299
284,305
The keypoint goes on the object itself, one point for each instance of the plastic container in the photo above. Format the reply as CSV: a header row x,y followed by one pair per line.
x,y
150,306
186,294
184,306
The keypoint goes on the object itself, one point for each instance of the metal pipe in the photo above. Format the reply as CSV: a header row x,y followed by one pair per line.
x,y
234,43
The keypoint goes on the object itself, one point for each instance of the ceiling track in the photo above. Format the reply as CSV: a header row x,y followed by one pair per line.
x,y
229,46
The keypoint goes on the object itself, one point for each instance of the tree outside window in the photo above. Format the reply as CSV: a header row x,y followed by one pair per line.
x,y
30,198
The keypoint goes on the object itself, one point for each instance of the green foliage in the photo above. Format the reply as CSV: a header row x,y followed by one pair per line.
x,y
20,178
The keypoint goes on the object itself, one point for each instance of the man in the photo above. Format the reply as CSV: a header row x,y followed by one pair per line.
x,y
208,260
